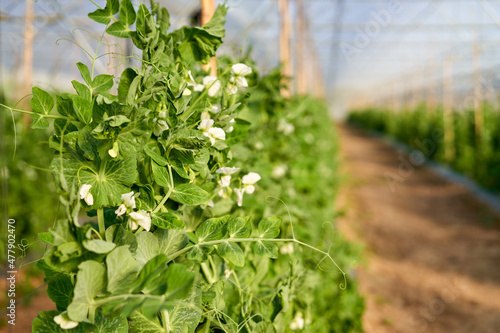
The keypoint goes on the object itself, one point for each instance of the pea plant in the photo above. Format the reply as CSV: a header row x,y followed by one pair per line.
x,y
167,243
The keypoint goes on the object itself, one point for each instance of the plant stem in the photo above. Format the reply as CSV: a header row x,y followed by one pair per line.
x,y
170,190
31,112
100,221
189,112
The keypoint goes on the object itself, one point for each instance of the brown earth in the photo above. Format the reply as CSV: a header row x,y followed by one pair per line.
x,y
432,251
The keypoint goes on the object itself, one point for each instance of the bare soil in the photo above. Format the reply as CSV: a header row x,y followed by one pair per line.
x,y
432,251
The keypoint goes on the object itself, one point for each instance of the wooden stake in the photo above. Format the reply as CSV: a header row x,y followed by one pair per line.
x,y
449,134
301,76
478,92
28,58
285,58
207,11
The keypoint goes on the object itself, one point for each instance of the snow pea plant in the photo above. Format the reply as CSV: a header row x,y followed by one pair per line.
x,y
150,164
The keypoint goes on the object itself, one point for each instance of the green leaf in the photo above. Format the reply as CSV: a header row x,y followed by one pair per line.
x,y
82,90
60,290
128,75
216,24
119,29
102,82
150,279
148,247
122,270
39,122
117,121
90,282
46,238
105,15
98,246
112,324
108,184
232,252
185,317
190,194
167,221
212,229
120,236
132,91
127,13
139,323
164,20
83,108
239,227
179,281
160,160
269,227
41,102
199,253
133,138
265,248
171,240
161,175
84,72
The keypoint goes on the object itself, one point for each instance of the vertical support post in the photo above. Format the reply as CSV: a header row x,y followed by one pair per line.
x,y
207,11
28,56
478,92
285,58
300,49
448,125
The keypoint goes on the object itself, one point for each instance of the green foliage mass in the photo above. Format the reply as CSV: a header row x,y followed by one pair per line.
x,y
475,156
180,180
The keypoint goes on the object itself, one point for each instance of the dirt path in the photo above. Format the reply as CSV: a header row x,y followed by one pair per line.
x,y
432,251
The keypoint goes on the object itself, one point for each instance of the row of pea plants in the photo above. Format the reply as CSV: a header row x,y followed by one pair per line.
x,y
177,237
474,154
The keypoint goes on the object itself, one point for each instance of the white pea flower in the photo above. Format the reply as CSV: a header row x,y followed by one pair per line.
x,y
160,123
226,178
241,69
249,180
205,115
287,248
215,133
259,145
64,321
186,92
225,181
297,322
212,133
86,195
129,199
140,218
285,127
239,81
232,89
128,203
122,209
206,124
239,196
227,170
211,204
231,128
279,171
213,85
215,109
